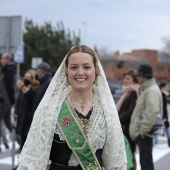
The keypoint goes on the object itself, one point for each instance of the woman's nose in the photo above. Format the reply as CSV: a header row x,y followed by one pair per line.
x,y
80,71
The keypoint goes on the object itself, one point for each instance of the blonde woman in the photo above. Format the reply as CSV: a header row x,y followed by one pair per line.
x,y
23,110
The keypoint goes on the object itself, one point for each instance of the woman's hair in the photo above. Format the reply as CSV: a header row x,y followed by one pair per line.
x,y
84,49
162,84
34,82
130,72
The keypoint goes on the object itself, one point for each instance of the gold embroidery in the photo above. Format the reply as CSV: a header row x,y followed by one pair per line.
x,y
77,141
85,123
92,166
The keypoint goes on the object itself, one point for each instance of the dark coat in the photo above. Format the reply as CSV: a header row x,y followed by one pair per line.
x,y
125,114
165,112
44,83
23,110
4,100
10,78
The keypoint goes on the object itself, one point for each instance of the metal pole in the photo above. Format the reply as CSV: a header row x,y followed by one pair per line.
x,y
84,23
18,71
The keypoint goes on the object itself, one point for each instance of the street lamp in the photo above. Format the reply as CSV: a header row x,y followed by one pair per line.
x,y
85,31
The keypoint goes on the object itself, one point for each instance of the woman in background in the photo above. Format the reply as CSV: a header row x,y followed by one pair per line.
x,y
28,87
126,105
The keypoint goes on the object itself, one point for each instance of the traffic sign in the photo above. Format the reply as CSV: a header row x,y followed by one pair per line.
x,y
19,55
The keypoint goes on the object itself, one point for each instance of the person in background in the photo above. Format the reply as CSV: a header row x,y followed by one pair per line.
x,y
164,89
149,104
23,109
126,105
44,77
10,80
76,126
4,109
9,72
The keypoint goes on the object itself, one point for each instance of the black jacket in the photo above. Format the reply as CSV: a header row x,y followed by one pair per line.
x,y
44,83
165,112
24,111
125,114
10,78
4,100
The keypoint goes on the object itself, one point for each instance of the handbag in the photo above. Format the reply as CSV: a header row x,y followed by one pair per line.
x,y
157,128
158,124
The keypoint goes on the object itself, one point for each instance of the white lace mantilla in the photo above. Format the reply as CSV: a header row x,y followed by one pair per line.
x,y
36,151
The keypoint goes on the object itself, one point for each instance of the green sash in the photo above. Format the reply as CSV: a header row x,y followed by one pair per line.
x,y
76,139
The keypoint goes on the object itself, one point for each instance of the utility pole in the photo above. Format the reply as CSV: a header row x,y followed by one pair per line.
x,y
85,32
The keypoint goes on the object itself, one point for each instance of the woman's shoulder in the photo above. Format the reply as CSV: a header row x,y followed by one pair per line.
x,y
133,94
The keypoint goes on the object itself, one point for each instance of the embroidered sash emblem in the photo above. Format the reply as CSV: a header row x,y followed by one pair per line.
x,y
92,166
66,121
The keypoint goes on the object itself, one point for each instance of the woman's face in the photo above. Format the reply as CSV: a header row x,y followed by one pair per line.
x,y
81,71
128,80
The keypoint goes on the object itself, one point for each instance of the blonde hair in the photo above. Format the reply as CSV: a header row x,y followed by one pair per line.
x,y
34,82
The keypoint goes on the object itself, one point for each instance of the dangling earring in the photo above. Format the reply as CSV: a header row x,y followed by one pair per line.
x,y
95,81
68,82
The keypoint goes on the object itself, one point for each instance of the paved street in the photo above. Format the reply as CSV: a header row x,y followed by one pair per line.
x,y
161,154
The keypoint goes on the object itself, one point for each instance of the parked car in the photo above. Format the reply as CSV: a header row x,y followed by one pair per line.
x,y
115,89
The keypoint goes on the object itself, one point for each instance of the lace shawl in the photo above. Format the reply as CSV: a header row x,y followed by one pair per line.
x,y
36,150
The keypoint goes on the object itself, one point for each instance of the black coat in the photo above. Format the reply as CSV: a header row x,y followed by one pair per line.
x,y
4,100
10,78
125,114
24,111
165,112
44,83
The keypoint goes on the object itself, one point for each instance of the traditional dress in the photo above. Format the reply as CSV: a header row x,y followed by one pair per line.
x,y
94,141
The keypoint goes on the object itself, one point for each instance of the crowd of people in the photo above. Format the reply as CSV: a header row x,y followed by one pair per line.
x,y
70,121
19,98
142,97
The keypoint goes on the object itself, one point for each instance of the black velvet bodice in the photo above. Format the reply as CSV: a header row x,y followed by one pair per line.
x,y
60,152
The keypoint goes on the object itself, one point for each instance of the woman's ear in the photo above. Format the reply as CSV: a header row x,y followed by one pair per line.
x,y
66,74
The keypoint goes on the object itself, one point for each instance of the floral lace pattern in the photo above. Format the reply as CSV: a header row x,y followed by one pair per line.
x,y
36,150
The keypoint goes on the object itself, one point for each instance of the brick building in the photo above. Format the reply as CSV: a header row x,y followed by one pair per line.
x,y
115,66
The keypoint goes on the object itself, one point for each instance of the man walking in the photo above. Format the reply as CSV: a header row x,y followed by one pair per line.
x,y
9,74
4,110
149,104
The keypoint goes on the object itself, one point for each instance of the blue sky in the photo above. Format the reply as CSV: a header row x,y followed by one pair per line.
x,y
111,24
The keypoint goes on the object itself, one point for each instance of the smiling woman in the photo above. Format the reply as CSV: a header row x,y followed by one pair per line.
x,y
75,126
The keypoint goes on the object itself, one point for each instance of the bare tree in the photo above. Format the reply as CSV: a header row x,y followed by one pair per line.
x,y
166,41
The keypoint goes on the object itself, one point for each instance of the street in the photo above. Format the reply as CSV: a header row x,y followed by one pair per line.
x,y
161,155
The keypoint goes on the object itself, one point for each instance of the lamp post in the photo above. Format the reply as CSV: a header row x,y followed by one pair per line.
x,y
85,31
